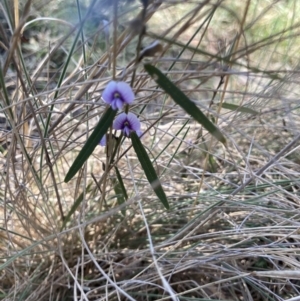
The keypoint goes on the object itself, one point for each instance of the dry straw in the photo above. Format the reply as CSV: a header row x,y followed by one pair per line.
x,y
232,230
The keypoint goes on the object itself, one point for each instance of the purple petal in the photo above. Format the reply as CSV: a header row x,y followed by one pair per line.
x,y
127,123
113,105
109,91
119,121
126,131
103,141
119,103
134,122
139,133
126,92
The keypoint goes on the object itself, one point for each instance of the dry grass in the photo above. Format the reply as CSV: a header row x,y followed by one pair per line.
x,y
232,229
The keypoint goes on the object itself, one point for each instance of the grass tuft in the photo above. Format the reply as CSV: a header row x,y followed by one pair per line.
x,y
232,228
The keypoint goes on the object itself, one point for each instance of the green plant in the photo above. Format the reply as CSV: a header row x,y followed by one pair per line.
x,y
207,126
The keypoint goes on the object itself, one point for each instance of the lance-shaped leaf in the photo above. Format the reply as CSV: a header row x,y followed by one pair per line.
x,y
119,195
122,186
100,130
242,109
120,189
182,100
148,168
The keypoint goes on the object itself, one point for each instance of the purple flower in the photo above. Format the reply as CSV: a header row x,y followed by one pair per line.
x,y
117,94
103,141
127,123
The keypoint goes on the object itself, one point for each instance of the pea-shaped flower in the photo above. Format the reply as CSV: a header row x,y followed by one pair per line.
x,y
118,94
127,123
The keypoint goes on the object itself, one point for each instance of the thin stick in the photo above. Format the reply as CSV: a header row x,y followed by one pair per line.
x,y
115,25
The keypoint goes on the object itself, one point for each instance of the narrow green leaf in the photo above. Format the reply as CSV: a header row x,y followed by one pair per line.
x,y
99,131
119,193
74,207
148,169
2,150
212,163
242,109
182,100
122,186
120,190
